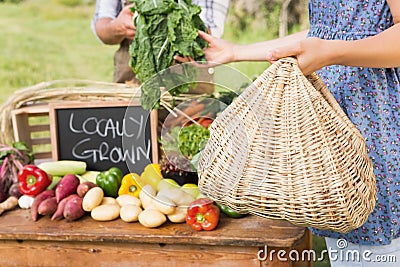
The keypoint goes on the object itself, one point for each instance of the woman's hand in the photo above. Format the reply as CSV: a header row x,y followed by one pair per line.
x,y
219,51
311,53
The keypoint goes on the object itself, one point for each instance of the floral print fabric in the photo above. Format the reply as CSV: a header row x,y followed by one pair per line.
x,y
371,99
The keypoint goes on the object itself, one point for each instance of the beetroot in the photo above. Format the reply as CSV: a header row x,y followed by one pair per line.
x,y
67,186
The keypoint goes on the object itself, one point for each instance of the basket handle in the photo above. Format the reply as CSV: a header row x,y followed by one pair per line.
x,y
320,87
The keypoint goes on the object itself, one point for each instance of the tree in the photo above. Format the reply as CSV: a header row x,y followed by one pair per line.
x,y
280,15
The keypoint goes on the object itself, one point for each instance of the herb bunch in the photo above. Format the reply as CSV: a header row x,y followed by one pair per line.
x,y
164,28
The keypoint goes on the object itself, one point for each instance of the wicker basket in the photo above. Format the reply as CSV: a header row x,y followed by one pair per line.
x,y
284,149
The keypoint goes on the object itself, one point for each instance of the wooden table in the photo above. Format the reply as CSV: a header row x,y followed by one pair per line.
x,y
235,242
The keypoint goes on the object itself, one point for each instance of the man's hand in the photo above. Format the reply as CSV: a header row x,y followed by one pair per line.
x,y
114,31
124,23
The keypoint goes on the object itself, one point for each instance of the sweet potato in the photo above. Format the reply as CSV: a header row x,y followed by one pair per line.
x,y
67,186
84,187
38,199
59,214
73,208
48,206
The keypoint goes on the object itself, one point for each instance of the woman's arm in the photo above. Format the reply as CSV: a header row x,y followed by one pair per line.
x,y
259,51
381,50
222,51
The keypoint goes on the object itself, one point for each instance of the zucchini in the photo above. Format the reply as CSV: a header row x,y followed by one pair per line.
x,y
63,167
89,176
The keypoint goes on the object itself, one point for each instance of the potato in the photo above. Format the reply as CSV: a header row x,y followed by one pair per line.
x,y
179,216
73,208
109,200
92,198
147,195
151,206
107,212
130,213
126,199
164,204
177,195
84,187
152,218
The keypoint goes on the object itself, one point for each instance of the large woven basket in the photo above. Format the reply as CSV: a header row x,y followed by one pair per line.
x,y
284,149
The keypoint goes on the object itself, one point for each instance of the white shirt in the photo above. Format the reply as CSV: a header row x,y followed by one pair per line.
x,y
213,13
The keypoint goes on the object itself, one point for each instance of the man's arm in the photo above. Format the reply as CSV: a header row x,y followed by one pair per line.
x,y
111,24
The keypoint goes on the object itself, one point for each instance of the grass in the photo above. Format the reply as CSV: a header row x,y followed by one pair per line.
x,y
44,40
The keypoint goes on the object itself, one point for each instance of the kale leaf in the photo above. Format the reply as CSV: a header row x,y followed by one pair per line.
x,y
164,28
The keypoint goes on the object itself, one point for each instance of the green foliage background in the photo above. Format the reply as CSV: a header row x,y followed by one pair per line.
x,y
49,40
46,40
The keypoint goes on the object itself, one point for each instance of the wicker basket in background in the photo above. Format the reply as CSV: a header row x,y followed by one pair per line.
x,y
284,149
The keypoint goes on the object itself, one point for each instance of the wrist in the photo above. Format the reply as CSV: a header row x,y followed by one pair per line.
x,y
334,52
238,53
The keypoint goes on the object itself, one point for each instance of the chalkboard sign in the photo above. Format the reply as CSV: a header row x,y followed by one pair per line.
x,y
104,135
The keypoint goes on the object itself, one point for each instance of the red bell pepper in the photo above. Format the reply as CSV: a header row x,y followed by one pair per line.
x,y
202,214
32,180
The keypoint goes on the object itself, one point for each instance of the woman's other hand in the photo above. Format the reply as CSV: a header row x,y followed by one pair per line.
x,y
311,53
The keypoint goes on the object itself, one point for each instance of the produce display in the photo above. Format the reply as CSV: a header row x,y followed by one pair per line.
x,y
148,198
66,190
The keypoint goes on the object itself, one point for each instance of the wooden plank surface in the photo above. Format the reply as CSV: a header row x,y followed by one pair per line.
x,y
125,254
250,231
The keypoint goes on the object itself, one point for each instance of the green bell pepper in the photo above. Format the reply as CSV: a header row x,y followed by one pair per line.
x,y
110,181
229,212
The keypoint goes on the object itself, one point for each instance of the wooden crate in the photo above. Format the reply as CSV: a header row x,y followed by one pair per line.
x,y
31,125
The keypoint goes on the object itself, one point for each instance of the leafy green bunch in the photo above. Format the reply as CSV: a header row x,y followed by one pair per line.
x,y
164,28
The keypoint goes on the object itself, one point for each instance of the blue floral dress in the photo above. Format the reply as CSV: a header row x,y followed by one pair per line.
x,y
371,99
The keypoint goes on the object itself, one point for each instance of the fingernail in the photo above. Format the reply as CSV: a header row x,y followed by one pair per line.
x,y
269,56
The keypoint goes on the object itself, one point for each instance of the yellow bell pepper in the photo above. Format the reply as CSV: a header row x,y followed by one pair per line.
x,y
151,175
131,185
